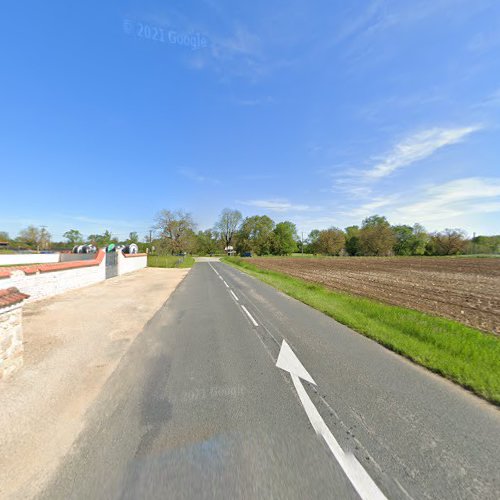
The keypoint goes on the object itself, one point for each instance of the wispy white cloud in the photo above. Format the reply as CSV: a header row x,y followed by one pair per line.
x,y
441,205
460,197
373,206
193,175
279,205
418,147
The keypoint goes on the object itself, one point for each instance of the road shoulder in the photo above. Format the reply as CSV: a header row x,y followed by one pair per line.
x,y
73,343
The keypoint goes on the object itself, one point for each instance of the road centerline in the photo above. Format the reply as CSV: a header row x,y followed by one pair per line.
x,y
249,315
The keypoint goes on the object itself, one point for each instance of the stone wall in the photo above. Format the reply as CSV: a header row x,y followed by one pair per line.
x,y
11,331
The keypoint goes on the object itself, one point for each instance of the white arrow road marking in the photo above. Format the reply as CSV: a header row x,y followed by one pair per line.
x,y
249,315
290,363
359,478
234,295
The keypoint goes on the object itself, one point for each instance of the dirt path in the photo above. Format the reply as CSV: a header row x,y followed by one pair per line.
x,y
73,342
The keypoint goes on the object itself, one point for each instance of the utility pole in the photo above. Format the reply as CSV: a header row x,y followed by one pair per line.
x,y
302,243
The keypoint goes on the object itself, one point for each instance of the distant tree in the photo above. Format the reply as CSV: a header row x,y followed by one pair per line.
x,y
35,237
403,235
352,240
4,236
331,241
483,244
410,240
30,236
376,236
256,235
447,242
175,230
227,225
73,237
44,240
419,240
133,237
208,242
285,238
190,242
102,240
312,241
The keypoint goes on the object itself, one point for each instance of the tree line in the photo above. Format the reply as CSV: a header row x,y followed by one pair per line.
x,y
40,239
175,232
260,235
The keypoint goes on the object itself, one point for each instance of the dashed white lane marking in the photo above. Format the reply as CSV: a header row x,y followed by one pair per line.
x,y
357,475
213,268
249,316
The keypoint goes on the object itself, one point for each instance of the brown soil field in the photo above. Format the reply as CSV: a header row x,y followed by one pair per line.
x,y
463,289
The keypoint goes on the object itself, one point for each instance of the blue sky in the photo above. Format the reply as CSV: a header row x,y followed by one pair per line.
x,y
318,111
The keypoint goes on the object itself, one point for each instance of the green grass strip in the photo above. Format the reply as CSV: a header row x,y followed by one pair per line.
x,y
462,354
170,261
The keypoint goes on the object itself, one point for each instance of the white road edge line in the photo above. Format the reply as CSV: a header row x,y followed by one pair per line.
x,y
227,286
249,315
234,295
357,475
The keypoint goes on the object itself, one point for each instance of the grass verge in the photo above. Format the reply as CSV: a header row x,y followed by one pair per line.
x,y
170,261
464,355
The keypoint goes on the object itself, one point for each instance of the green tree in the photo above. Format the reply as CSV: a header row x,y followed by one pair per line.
x,y
483,244
4,236
352,240
410,240
312,241
73,237
419,240
403,235
331,241
102,240
208,242
285,238
376,236
256,235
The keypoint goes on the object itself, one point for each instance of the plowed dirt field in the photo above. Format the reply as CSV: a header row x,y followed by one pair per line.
x,y
463,289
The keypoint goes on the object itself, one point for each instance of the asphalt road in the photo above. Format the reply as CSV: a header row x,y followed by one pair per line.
x,y
198,409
